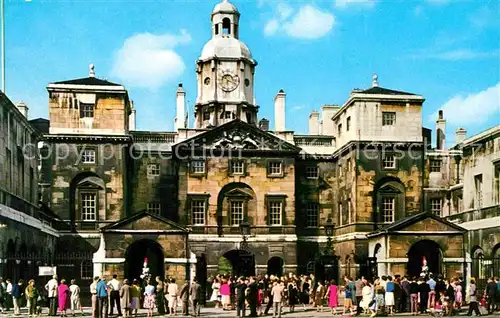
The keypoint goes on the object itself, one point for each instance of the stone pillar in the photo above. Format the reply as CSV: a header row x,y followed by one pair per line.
x,y
314,123
181,106
99,258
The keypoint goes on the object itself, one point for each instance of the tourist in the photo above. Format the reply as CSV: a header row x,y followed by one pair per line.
x,y
348,305
63,298
16,296
458,295
149,298
173,290
32,296
270,301
125,298
8,295
432,294
305,292
3,288
277,296
253,291
216,296
166,282
414,293
332,294
473,305
240,297
184,296
94,298
450,295
405,295
497,281
102,296
260,296
74,291
51,288
491,291
135,295
195,297
423,290
398,294
225,292
292,293
367,301
114,297
389,295
379,291
160,299
359,293
318,297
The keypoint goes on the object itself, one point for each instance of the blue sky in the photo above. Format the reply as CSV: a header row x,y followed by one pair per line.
x,y
317,51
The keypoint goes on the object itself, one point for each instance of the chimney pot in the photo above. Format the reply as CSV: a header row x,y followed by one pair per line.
x,y
440,114
180,84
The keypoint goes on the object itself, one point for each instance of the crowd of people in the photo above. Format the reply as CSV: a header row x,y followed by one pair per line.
x,y
257,294
382,296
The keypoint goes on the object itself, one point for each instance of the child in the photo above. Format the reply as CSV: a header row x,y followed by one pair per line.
x,y
438,309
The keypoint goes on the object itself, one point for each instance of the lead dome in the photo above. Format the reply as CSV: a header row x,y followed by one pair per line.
x,y
225,47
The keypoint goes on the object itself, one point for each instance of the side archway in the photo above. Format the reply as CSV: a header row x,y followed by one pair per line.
x,y
275,266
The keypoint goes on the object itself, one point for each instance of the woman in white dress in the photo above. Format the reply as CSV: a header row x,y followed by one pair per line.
x,y
173,290
216,292
367,293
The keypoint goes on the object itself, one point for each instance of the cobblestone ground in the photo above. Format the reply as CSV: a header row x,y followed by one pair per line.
x,y
215,313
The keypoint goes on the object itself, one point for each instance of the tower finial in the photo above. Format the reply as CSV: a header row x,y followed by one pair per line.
x,y
375,80
91,70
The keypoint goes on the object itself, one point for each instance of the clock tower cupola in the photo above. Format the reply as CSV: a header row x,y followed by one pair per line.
x,y
225,72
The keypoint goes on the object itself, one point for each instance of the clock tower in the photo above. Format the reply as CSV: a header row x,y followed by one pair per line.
x,y
225,72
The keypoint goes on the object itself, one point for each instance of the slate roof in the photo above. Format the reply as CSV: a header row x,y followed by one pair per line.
x,y
88,81
383,91
412,219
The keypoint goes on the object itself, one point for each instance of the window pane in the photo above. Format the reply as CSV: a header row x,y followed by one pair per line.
x,y
198,212
236,212
88,208
312,172
88,156
275,212
198,166
388,207
312,213
237,167
389,161
275,167
153,169
388,118
436,206
154,208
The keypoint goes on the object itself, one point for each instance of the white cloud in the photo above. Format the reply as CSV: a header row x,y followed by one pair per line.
x,y
463,111
457,55
149,61
351,3
271,27
298,107
307,22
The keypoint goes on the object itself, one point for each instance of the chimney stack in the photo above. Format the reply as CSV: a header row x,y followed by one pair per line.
x,y
91,70
440,131
131,117
264,124
279,111
314,123
460,135
23,108
180,121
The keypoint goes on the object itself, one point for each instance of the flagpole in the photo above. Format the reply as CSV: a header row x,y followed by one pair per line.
x,y
2,5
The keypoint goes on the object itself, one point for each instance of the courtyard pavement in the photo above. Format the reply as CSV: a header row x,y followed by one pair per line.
x,y
215,313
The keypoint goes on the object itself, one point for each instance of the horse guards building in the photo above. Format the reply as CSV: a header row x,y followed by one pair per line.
x,y
365,186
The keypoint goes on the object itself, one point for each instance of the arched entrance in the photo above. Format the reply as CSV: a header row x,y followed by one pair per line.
x,y
243,262
432,253
137,252
275,266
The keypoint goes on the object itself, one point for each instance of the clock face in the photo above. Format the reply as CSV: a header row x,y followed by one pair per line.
x,y
228,81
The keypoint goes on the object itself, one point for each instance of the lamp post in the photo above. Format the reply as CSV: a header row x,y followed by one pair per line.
x,y
329,227
243,251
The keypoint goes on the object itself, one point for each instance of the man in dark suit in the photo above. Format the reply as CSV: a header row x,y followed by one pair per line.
x,y
184,296
491,291
241,289
253,290
195,297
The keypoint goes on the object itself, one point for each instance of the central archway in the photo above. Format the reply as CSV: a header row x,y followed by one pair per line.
x,y
136,254
432,253
242,261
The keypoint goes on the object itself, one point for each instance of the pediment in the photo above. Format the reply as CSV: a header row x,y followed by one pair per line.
x,y
145,221
420,223
236,136
388,189
89,185
238,193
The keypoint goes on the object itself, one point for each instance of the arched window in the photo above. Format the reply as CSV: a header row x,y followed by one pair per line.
x,y
226,26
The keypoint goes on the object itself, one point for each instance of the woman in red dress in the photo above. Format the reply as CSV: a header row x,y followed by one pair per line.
x,y
63,297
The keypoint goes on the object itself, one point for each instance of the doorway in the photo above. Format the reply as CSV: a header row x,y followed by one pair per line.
x,y
275,266
242,261
429,250
136,254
